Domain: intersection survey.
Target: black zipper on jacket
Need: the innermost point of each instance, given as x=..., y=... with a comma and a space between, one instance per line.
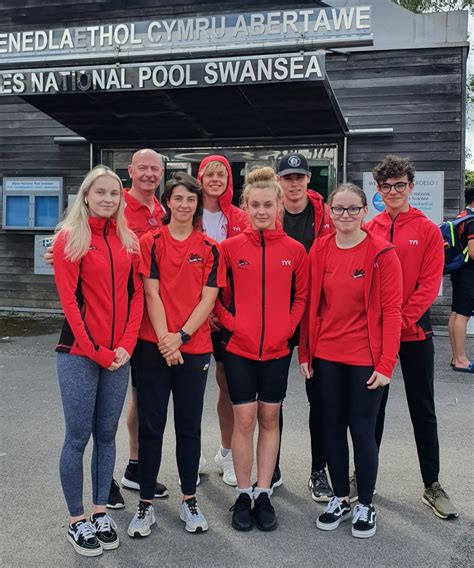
x=392, y=229
x=262, y=336
x=113, y=283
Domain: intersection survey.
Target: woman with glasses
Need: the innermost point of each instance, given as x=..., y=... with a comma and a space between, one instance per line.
x=350, y=340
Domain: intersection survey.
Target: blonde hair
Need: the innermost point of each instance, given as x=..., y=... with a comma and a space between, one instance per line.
x=261, y=178
x=211, y=167
x=76, y=222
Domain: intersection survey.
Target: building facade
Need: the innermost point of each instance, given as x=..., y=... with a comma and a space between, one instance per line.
x=343, y=82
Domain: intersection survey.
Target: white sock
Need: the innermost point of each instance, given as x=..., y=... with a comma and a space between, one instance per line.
x=258, y=490
x=248, y=491
x=225, y=451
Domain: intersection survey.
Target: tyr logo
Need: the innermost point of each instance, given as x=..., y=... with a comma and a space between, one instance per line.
x=412, y=242
x=286, y=262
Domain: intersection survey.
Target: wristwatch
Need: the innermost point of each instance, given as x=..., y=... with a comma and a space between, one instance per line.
x=185, y=337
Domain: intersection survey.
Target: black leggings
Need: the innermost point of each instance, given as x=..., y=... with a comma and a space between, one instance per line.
x=348, y=403
x=155, y=382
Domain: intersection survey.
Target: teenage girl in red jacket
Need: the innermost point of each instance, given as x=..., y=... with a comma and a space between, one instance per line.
x=350, y=335
x=267, y=284
x=96, y=264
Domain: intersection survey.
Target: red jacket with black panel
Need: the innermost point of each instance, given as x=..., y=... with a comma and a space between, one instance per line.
x=101, y=295
x=267, y=284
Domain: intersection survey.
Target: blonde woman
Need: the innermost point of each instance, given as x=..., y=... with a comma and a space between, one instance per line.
x=96, y=271
x=268, y=279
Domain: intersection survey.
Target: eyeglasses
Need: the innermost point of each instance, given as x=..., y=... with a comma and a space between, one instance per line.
x=399, y=187
x=352, y=210
x=152, y=222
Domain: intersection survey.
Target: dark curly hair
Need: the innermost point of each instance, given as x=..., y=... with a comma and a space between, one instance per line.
x=393, y=167
x=192, y=185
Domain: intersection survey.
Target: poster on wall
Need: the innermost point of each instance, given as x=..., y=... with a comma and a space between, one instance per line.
x=427, y=195
x=42, y=242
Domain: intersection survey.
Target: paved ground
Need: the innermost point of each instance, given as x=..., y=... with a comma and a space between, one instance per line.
x=34, y=516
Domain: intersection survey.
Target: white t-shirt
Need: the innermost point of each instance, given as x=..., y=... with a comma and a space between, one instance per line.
x=215, y=225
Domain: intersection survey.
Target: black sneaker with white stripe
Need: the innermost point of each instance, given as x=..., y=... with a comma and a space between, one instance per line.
x=115, y=499
x=336, y=511
x=364, y=521
x=105, y=531
x=83, y=538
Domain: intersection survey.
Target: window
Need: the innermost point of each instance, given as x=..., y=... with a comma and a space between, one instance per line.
x=32, y=203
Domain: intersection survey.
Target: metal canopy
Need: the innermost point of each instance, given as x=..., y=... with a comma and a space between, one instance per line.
x=248, y=112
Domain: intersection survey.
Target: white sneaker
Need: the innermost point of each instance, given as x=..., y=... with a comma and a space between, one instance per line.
x=192, y=515
x=226, y=467
x=142, y=521
x=202, y=463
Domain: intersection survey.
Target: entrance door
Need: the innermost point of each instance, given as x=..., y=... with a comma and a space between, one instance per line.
x=322, y=160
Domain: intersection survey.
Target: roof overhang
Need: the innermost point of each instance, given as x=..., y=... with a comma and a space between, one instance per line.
x=268, y=96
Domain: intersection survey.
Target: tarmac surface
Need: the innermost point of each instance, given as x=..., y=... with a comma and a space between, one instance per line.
x=34, y=516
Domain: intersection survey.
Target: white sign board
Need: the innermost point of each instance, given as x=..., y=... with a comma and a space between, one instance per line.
x=42, y=242
x=33, y=184
x=427, y=195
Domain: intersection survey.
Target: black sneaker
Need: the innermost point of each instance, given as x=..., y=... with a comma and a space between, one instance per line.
x=319, y=486
x=130, y=480
x=105, y=530
x=336, y=511
x=264, y=513
x=276, y=478
x=242, y=517
x=364, y=521
x=115, y=500
x=82, y=537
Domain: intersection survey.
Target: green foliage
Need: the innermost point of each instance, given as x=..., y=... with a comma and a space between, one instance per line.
x=469, y=178
x=434, y=5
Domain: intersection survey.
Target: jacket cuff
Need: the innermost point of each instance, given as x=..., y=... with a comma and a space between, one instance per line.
x=104, y=357
x=385, y=369
x=303, y=355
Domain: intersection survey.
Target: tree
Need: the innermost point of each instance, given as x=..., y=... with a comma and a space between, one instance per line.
x=469, y=178
x=434, y=5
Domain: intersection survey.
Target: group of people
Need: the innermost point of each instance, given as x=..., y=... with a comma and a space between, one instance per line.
x=160, y=286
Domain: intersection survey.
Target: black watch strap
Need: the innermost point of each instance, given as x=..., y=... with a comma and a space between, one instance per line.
x=185, y=337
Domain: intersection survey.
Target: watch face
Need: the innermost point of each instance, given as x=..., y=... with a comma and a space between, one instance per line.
x=185, y=337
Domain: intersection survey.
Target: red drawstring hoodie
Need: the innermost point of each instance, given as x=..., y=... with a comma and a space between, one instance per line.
x=237, y=219
x=419, y=246
x=383, y=300
x=101, y=295
x=268, y=282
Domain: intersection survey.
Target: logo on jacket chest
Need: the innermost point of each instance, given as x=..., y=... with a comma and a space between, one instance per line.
x=243, y=264
x=286, y=262
x=413, y=241
x=194, y=257
x=358, y=273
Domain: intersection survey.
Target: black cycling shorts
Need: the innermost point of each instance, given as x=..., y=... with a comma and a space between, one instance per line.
x=250, y=380
x=463, y=291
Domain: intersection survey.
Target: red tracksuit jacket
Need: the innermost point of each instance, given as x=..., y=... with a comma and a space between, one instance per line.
x=383, y=300
x=101, y=295
x=237, y=220
x=268, y=282
x=323, y=224
x=419, y=246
